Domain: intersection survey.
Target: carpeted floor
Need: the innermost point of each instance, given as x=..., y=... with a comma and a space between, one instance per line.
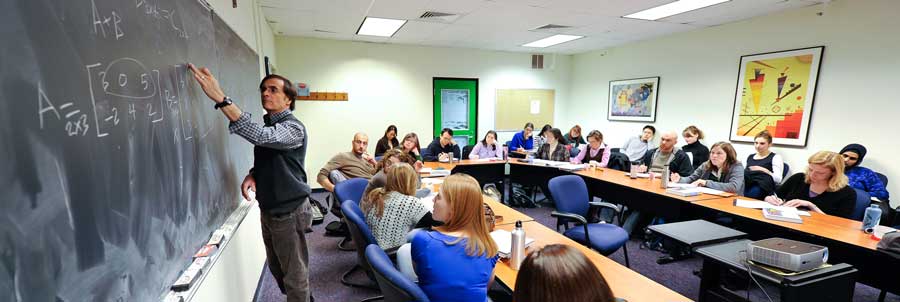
x=327, y=264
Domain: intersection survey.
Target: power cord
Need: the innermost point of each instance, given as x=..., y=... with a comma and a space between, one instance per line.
x=750, y=274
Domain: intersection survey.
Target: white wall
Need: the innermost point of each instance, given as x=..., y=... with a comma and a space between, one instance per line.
x=854, y=101
x=235, y=275
x=392, y=84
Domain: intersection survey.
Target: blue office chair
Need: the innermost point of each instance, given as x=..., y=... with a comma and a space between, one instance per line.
x=784, y=174
x=863, y=200
x=363, y=237
x=351, y=189
x=572, y=205
x=394, y=285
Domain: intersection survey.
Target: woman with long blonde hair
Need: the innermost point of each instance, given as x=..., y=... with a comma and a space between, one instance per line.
x=455, y=261
x=823, y=188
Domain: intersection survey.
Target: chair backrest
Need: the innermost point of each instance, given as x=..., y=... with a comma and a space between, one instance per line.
x=570, y=194
x=787, y=169
x=862, y=202
x=393, y=284
x=619, y=161
x=351, y=189
x=360, y=232
x=883, y=178
x=466, y=150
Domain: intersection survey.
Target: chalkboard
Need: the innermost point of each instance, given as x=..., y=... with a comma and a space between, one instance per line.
x=115, y=167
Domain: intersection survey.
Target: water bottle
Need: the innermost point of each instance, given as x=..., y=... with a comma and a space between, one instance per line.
x=664, y=178
x=517, y=248
x=872, y=217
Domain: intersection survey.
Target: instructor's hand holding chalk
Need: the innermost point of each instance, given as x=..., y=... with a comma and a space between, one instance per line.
x=248, y=184
x=208, y=82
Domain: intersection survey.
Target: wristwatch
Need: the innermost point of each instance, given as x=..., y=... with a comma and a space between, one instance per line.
x=225, y=102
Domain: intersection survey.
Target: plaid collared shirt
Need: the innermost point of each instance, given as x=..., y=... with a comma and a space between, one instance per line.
x=278, y=132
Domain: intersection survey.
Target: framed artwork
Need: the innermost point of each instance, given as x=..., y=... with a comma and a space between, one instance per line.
x=633, y=100
x=775, y=92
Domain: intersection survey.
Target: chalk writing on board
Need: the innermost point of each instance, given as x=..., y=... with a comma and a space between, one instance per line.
x=106, y=23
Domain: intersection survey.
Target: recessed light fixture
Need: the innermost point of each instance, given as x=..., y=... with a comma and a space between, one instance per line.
x=552, y=40
x=380, y=27
x=671, y=9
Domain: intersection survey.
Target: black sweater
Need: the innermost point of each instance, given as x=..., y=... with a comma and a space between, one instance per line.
x=837, y=203
x=699, y=151
x=382, y=145
x=435, y=149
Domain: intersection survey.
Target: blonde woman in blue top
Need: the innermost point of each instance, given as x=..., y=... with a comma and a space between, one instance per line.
x=455, y=261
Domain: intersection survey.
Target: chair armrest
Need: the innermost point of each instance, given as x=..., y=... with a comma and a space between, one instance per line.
x=575, y=217
x=606, y=205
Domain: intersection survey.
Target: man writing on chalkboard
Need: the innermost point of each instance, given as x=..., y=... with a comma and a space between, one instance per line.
x=278, y=176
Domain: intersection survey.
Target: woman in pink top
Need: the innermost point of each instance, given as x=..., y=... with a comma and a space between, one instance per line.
x=487, y=148
x=595, y=150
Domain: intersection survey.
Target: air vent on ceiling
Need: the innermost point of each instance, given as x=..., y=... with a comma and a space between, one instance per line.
x=551, y=27
x=324, y=31
x=438, y=17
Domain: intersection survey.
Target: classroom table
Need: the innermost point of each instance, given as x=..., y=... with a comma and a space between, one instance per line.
x=624, y=282
x=846, y=242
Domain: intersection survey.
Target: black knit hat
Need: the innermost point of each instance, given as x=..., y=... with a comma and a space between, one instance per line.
x=858, y=149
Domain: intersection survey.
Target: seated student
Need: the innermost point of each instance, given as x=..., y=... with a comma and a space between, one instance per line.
x=393, y=211
x=390, y=158
x=442, y=148
x=574, y=137
x=861, y=177
x=560, y=273
x=411, y=145
x=721, y=172
x=487, y=148
x=541, y=138
x=655, y=161
x=353, y=164
x=595, y=150
x=388, y=141
x=698, y=153
x=764, y=169
x=553, y=149
x=636, y=146
x=455, y=261
x=823, y=188
x=522, y=141
x=666, y=155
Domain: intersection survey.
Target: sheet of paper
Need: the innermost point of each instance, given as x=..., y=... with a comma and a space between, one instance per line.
x=535, y=107
x=428, y=201
x=425, y=170
x=503, y=239
x=751, y=204
x=679, y=185
x=714, y=192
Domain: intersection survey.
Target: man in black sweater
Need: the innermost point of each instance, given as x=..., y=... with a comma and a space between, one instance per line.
x=278, y=176
x=442, y=148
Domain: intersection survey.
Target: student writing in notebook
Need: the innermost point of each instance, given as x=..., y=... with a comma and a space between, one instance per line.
x=721, y=172
x=822, y=188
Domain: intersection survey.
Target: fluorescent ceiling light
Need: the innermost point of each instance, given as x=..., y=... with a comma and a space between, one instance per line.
x=552, y=40
x=673, y=8
x=379, y=27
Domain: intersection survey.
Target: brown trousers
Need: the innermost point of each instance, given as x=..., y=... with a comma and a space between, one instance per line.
x=287, y=251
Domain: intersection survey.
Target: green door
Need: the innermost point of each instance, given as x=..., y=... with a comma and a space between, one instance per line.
x=456, y=107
